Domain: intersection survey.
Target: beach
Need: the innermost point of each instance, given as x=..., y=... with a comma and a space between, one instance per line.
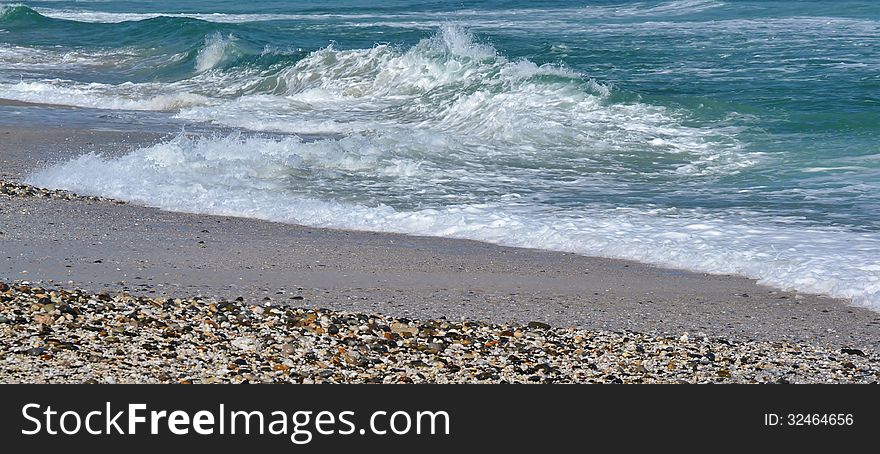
x=658, y=191
x=58, y=241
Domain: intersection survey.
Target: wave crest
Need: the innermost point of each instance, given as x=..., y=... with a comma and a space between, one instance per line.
x=17, y=12
x=218, y=49
x=453, y=84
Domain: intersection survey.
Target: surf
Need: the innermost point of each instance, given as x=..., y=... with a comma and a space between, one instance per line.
x=279, y=180
x=676, y=133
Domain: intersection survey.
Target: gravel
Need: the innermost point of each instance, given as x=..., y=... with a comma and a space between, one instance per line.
x=72, y=336
x=24, y=190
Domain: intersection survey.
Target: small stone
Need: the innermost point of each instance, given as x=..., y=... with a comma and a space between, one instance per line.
x=98, y=335
x=434, y=347
x=44, y=319
x=403, y=329
x=248, y=344
x=352, y=356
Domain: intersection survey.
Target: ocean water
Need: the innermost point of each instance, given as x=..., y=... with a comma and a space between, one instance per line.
x=717, y=136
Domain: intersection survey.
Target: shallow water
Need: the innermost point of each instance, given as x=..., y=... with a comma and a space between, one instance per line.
x=728, y=137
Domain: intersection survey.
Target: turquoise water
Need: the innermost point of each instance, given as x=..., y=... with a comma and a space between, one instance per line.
x=720, y=136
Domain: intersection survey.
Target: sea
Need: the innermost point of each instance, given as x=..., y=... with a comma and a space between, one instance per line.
x=729, y=137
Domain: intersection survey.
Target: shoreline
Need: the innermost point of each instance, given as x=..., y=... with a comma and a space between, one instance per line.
x=508, y=285
x=100, y=245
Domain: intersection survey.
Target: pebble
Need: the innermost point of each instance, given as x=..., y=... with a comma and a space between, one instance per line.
x=11, y=189
x=245, y=343
x=401, y=328
x=35, y=351
x=79, y=337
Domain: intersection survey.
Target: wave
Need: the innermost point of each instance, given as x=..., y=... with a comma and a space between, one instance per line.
x=453, y=84
x=217, y=50
x=274, y=179
x=643, y=9
x=449, y=83
x=21, y=57
x=446, y=137
x=102, y=96
x=18, y=14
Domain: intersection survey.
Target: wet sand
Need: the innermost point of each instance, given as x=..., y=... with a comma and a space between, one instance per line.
x=98, y=246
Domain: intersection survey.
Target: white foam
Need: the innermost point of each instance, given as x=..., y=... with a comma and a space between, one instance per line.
x=108, y=17
x=215, y=51
x=5, y=8
x=671, y=8
x=453, y=84
x=274, y=179
x=35, y=58
x=103, y=96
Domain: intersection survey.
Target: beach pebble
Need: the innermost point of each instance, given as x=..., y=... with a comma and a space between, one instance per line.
x=400, y=328
x=246, y=343
x=91, y=338
x=287, y=349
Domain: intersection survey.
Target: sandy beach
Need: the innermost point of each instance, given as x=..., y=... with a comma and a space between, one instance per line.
x=61, y=242
x=109, y=246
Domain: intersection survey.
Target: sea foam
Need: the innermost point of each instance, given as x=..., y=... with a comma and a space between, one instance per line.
x=218, y=48
x=272, y=179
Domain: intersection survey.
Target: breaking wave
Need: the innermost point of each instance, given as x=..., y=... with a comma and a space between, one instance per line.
x=274, y=179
